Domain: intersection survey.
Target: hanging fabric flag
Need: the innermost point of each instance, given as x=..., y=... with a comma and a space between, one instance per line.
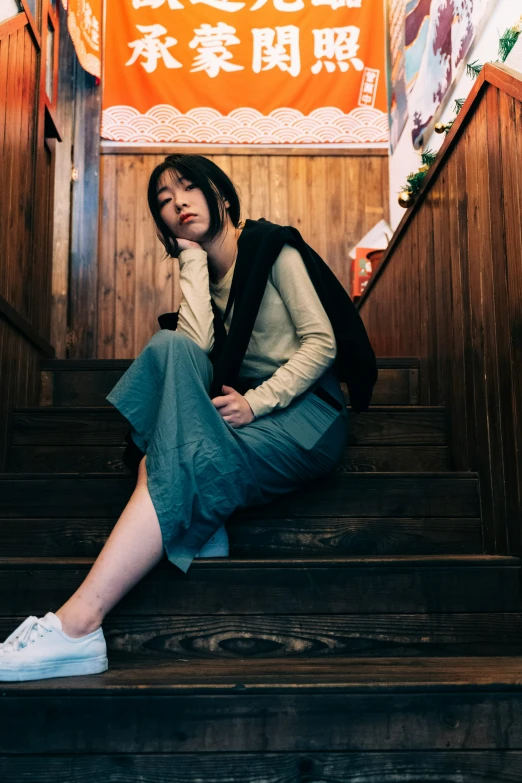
x=245, y=71
x=84, y=21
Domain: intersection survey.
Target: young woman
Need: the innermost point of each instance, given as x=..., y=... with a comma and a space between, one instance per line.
x=205, y=456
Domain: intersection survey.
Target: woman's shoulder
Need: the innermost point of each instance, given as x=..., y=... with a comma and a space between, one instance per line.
x=289, y=256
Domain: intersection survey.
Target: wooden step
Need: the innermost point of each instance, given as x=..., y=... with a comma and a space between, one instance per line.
x=311, y=635
x=91, y=439
x=277, y=706
x=96, y=459
x=341, y=494
x=285, y=586
x=96, y=426
x=393, y=766
x=88, y=381
x=286, y=536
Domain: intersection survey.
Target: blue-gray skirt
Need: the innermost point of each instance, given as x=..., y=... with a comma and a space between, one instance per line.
x=200, y=468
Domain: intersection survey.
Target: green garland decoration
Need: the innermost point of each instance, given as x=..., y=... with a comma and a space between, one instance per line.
x=416, y=178
x=505, y=45
x=428, y=157
x=459, y=103
x=473, y=69
x=415, y=181
x=507, y=42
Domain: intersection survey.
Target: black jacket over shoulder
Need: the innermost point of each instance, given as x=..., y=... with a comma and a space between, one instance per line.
x=259, y=245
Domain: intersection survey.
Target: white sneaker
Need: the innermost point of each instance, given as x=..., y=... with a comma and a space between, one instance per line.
x=217, y=545
x=39, y=648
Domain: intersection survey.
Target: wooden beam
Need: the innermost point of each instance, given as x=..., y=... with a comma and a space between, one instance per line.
x=109, y=148
x=15, y=319
x=84, y=219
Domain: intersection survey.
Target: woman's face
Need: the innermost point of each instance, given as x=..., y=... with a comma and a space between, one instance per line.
x=177, y=199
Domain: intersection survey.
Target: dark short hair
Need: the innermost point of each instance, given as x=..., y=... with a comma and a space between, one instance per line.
x=216, y=186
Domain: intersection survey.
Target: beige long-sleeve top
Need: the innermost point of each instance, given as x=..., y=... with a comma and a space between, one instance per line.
x=292, y=339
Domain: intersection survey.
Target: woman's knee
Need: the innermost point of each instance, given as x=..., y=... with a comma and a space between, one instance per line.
x=167, y=336
x=165, y=341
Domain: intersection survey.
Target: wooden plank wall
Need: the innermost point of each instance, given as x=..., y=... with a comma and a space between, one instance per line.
x=331, y=199
x=450, y=292
x=18, y=108
x=22, y=297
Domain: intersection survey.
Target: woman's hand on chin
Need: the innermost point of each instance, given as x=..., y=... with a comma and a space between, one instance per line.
x=184, y=244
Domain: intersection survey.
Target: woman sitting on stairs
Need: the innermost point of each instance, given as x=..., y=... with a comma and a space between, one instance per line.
x=225, y=412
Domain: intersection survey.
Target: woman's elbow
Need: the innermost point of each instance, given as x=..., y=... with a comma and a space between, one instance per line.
x=208, y=343
x=202, y=340
x=331, y=347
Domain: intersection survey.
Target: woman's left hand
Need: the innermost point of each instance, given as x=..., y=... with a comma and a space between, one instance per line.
x=233, y=407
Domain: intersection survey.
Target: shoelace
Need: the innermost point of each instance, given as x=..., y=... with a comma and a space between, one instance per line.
x=27, y=634
x=27, y=621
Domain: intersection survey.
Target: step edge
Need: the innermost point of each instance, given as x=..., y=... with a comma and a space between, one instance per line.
x=436, y=561
x=454, y=474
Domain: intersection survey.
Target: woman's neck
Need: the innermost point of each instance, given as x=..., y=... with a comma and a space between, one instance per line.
x=222, y=252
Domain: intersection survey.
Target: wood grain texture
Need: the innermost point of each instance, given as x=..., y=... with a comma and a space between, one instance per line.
x=332, y=201
x=380, y=426
x=243, y=150
x=441, y=766
x=108, y=458
x=18, y=126
x=417, y=584
x=278, y=705
x=296, y=534
x=26, y=167
x=85, y=218
x=86, y=382
x=20, y=379
x=305, y=636
x=66, y=97
x=347, y=494
x=459, y=251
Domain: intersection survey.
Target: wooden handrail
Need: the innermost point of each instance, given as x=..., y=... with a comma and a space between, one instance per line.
x=505, y=79
x=13, y=24
x=15, y=319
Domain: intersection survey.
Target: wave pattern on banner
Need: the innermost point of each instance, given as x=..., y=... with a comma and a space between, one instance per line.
x=164, y=123
x=90, y=62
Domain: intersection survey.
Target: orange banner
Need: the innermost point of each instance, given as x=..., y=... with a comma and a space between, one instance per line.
x=245, y=71
x=84, y=21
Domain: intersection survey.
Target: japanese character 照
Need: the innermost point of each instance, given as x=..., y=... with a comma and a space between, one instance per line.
x=338, y=46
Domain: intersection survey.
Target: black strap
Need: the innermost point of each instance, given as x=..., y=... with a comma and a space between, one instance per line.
x=230, y=296
x=327, y=397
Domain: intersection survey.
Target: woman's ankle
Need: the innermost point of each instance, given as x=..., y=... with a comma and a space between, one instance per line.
x=77, y=626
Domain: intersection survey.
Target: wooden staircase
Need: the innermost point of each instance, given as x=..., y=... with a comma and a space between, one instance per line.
x=358, y=630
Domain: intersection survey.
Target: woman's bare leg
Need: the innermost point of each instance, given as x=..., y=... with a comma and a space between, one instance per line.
x=133, y=548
